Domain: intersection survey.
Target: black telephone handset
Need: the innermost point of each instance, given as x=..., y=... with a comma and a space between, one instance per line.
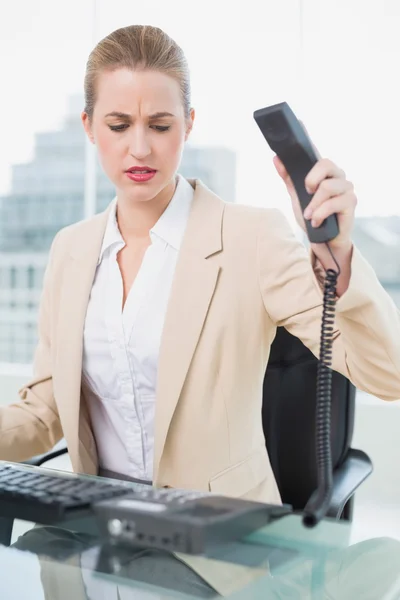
x=288, y=139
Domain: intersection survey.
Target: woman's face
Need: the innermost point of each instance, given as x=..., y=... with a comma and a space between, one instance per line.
x=138, y=121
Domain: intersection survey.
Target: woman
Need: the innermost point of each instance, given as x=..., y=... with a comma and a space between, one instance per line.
x=157, y=315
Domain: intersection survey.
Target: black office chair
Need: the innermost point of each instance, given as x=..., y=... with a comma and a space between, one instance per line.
x=288, y=413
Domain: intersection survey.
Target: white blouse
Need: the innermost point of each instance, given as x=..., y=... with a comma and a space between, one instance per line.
x=121, y=348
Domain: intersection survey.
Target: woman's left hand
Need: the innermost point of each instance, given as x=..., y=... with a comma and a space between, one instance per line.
x=332, y=193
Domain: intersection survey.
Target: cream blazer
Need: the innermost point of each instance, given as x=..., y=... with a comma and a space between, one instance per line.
x=240, y=274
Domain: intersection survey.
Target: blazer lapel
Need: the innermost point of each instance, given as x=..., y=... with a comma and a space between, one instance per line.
x=77, y=281
x=191, y=293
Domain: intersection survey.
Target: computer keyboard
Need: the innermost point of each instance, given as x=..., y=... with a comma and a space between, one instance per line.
x=45, y=496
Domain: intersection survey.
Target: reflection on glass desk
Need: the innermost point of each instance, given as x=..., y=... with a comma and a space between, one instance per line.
x=281, y=561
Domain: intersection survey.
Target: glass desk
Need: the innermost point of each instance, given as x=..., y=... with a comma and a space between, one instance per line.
x=281, y=561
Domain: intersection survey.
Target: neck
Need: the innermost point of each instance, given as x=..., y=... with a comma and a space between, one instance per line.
x=135, y=219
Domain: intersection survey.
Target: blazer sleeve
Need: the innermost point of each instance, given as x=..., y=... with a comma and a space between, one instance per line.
x=366, y=346
x=32, y=426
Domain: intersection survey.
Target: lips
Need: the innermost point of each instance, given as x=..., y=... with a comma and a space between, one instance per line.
x=141, y=170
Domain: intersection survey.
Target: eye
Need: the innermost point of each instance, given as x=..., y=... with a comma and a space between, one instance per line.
x=160, y=128
x=118, y=127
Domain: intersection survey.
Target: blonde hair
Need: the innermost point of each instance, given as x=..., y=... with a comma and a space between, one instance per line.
x=139, y=47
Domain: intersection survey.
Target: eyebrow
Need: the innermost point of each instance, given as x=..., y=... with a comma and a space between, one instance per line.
x=126, y=117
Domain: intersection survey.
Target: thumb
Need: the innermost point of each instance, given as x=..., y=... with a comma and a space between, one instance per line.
x=281, y=169
x=279, y=166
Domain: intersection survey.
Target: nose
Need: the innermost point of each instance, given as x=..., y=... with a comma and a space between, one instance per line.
x=139, y=146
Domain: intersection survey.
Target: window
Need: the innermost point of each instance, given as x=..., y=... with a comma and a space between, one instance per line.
x=31, y=277
x=13, y=277
x=44, y=46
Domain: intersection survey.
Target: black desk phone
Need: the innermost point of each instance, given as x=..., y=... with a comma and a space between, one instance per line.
x=288, y=139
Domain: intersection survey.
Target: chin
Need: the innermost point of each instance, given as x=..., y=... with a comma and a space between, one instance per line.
x=140, y=192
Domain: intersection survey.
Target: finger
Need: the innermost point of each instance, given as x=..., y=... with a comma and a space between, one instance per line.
x=323, y=169
x=328, y=188
x=340, y=205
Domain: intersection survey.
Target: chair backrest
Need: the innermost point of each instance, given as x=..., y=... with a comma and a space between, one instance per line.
x=289, y=417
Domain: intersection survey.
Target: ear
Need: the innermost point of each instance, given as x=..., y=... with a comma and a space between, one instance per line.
x=190, y=122
x=87, y=126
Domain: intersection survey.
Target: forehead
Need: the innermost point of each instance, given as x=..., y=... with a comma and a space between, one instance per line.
x=128, y=91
